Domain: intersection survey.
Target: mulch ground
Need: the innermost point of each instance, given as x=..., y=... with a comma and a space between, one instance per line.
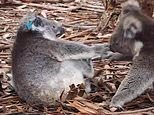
x=82, y=23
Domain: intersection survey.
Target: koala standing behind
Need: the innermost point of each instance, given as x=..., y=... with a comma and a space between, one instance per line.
x=44, y=66
x=134, y=35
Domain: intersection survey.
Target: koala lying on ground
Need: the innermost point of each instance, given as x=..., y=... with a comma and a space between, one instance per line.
x=134, y=36
x=43, y=66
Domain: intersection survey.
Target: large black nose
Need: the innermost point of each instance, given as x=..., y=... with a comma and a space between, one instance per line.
x=115, y=46
x=111, y=48
x=60, y=31
x=112, y=44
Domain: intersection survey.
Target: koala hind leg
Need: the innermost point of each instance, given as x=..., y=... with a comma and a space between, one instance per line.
x=139, y=78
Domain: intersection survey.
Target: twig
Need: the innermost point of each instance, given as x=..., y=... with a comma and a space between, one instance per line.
x=150, y=98
x=5, y=47
x=93, y=6
x=92, y=9
x=79, y=34
x=106, y=23
x=8, y=98
x=130, y=112
x=24, y=113
x=53, y=1
x=5, y=29
x=48, y=7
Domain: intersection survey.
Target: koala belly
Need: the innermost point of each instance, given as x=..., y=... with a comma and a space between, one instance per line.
x=85, y=66
x=71, y=72
x=48, y=83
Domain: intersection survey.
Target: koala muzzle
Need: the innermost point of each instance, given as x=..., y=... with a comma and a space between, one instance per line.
x=60, y=31
x=113, y=47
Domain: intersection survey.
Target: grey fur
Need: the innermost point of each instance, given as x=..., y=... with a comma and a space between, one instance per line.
x=140, y=45
x=43, y=67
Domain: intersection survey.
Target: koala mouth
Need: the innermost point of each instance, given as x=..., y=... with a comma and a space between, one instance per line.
x=60, y=31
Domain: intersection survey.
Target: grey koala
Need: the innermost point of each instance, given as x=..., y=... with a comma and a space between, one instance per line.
x=134, y=36
x=44, y=66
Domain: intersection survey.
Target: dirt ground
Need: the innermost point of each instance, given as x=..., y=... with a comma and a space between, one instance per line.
x=81, y=20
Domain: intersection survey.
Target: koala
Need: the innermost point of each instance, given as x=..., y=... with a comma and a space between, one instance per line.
x=44, y=66
x=133, y=36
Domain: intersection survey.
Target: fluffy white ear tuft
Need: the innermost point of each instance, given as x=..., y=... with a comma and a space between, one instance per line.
x=131, y=3
x=130, y=6
x=138, y=45
x=131, y=27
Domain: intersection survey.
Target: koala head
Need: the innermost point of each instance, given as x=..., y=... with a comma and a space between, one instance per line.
x=132, y=31
x=34, y=23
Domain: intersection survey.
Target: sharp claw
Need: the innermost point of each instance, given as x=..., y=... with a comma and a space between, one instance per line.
x=116, y=107
x=107, y=55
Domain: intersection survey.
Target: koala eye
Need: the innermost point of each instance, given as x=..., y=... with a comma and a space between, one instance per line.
x=38, y=22
x=54, y=27
x=116, y=43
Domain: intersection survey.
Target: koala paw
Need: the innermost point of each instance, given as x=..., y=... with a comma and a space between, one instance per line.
x=102, y=50
x=107, y=55
x=116, y=102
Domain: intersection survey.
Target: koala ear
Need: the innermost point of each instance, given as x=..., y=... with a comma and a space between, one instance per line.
x=29, y=25
x=129, y=6
x=131, y=26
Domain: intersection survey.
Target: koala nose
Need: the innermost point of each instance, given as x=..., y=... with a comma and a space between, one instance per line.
x=114, y=46
x=111, y=48
x=61, y=31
